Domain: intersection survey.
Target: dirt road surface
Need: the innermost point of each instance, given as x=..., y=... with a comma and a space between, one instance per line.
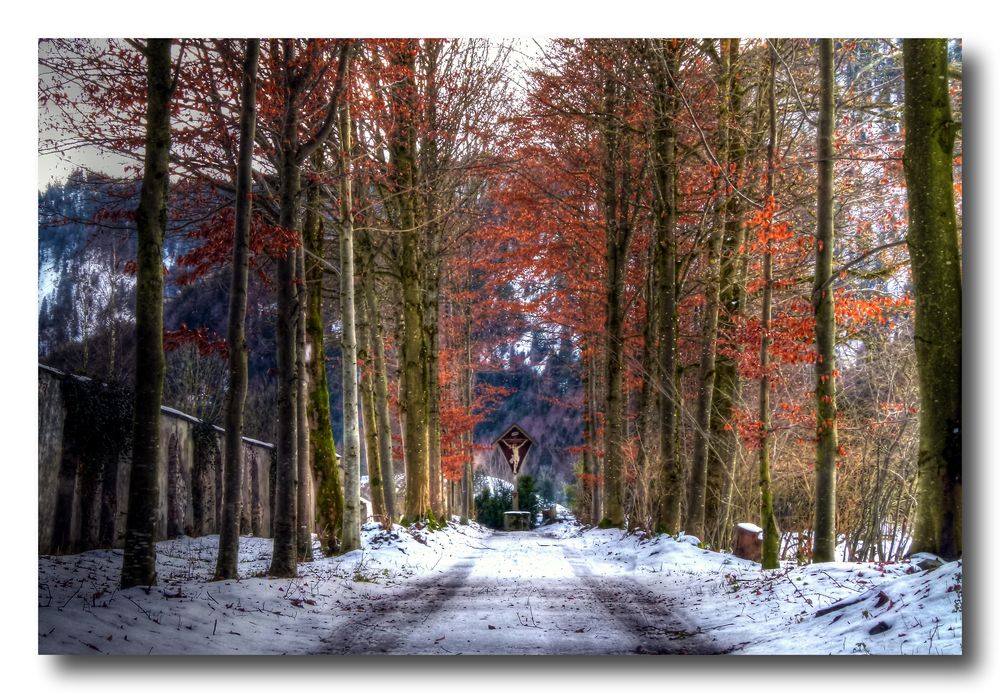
x=520, y=593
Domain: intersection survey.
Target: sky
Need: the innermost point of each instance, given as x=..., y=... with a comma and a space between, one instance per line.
x=54, y=167
x=23, y=27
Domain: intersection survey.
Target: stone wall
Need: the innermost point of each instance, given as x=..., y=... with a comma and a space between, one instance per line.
x=84, y=456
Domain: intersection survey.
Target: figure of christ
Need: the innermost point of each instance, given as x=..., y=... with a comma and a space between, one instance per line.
x=515, y=454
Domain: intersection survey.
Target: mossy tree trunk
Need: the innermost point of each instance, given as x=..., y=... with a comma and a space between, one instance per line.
x=664, y=61
x=937, y=287
x=229, y=532
x=618, y=233
x=728, y=387
x=139, y=562
x=825, y=526
x=327, y=498
x=431, y=174
x=413, y=346
x=432, y=293
x=329, y=495
x=294, y=71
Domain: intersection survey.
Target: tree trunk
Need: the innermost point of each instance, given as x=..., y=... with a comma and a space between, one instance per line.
x=614, y=410
x=825, y=527
x=139, y=562
x=710, y=327
x=617, y=235
x=431, y=174
x=381, y=382
x=365, y=356
x=769, y=554
x=664, y=61
x=414, y=354
x=329, y=496
x=937, y=287
x=305, y=506
x=468, y=393
x=648, y=424
x=229, y=532
x=432, y=261
x=283, y=558
x=414, y=345
x=592, y=463
x=728, y=388
x=351, y=532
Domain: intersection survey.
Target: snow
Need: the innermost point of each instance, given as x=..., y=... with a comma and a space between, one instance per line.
x=522, y=593
x=775, y=611
x=82, y=611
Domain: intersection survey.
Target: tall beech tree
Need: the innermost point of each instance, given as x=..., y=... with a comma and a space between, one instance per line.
x=663, y=63
x=825, y=526
x=365, y=350
x=728, y=391
x=377, y=432
x=328, y=493
x=769, y=554
x=284, y=556
x=695, y=523
x=403, y=180
x=351, y=528
x=304, y=502
x=618, y=234
x=429, y=161
x=294, y=70
x=620, y=182
x=380, y=384
x=229, y=533
x=139, y=561
x=935, y=259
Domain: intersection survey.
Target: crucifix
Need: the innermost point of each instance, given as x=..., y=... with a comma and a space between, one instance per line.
x=514, y=444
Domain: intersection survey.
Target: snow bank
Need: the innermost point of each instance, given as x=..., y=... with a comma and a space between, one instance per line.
x=81, y=610
x=918, y=612
x=830, y=608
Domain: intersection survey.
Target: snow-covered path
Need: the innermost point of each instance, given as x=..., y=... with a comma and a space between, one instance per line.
x=462, y=589
x=520, y=593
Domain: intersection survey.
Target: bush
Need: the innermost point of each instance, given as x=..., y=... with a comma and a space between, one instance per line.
x=491, y=506
x=528, y=499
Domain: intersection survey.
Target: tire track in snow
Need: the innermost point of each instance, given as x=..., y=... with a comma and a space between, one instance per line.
x=383, y=628
x=651, y=621
x=577, y=611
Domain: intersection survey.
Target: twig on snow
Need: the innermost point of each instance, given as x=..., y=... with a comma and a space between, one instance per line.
x=139, y=607
x=72, y=596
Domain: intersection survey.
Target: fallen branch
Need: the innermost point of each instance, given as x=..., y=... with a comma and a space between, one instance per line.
x=139, y=607
x=806, y=599
x=71, y=596
x=840, y=605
